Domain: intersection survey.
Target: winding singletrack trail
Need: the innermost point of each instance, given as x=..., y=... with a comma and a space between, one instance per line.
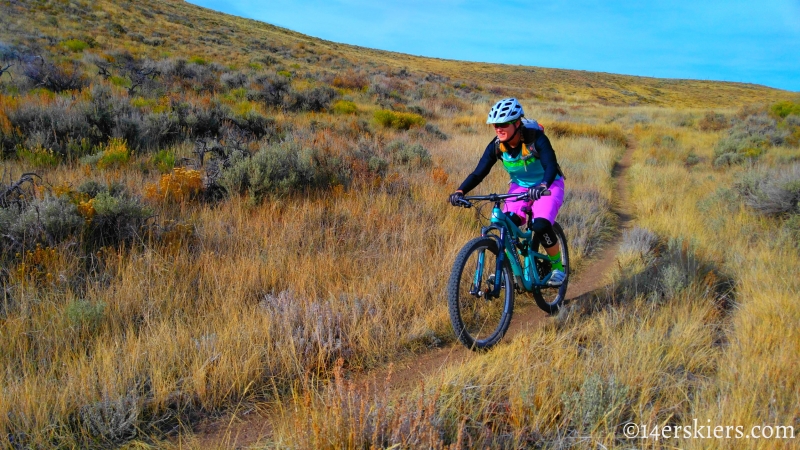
x=248, y=428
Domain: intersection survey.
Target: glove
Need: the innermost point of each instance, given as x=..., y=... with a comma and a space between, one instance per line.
x=455, y=198
x=536, y=192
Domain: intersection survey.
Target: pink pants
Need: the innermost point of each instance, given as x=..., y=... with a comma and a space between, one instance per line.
x=546, y=207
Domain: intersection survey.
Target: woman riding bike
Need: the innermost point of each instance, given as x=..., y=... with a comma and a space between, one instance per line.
x=531, y=163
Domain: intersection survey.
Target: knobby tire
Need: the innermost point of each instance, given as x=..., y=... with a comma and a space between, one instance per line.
x=478, y=321
x=550, y=300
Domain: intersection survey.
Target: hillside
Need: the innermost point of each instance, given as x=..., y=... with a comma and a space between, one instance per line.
x=207, y=217
x=159, y=29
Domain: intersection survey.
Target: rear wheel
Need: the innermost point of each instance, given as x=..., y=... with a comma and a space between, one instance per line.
x=550, y=299
x=479, y=316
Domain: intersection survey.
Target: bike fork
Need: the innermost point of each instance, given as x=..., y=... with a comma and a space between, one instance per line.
x=497, y=277
x=477, y=281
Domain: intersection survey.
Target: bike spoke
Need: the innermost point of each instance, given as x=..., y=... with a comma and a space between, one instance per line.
x=480, y=313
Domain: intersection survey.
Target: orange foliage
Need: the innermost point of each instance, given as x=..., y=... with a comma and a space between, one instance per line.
x=439, y=175
x=86, y=209
x=180, y=185
x=6, y=104
x=350, y=80
x=63, y=189
x=174, y=235
x=38, y=265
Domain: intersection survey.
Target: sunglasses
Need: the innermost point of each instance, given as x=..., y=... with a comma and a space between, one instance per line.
x=503, y=125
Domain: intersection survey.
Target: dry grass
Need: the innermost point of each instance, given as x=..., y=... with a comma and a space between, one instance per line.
x=700, y=350
x=214, y=316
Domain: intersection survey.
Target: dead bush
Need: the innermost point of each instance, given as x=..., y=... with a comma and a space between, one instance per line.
x=55, y=77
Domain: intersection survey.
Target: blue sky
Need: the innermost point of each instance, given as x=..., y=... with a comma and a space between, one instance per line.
x=753, y=42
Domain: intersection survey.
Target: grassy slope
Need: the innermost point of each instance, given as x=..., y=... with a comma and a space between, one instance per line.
x=192, y=30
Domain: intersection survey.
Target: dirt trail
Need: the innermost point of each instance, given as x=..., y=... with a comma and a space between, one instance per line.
x=249, y=428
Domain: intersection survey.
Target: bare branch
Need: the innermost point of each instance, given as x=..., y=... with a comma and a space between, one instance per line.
x=5, y=69
x=14, y=194
x=102, y=69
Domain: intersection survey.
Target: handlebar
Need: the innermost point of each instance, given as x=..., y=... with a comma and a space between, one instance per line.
x=496, y=198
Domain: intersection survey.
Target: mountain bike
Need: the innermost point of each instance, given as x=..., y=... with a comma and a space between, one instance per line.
x=492, y=267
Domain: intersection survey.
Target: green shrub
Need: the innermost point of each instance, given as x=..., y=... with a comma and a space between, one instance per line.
x=279, y=170
x=64, y=126
x=237, y=94
x=207, y=121
x=85, y=315
x=345, y=107
x=435, y=131
x=398, y=120
x=118, y=218
x=233, y=80
x=75, y=45
x=91, y=188
x=774, y=192
x=377, y=165
x=271, y=89
x=38, y=157
x=414, y=155
x=692, y=159
x=748, y=139
x=115, y=155
x=155, y=130
x=785, y=108
x=140, y=102
x=316, y=99
x=387, y=90
x=598, y=405
x=164, y=161
x=119, y=81
x=199, y=60
x=47, y=221
x=91, y=160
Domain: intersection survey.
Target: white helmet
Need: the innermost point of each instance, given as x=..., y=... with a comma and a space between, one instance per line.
x=505, y=110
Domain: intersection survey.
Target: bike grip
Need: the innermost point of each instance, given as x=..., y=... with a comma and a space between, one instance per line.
x=525, y=195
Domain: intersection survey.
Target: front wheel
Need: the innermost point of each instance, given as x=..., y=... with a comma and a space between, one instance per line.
x=550, y=299
x=479, y=313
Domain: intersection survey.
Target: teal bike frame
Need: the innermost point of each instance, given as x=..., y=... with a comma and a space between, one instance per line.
x=515, y=242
